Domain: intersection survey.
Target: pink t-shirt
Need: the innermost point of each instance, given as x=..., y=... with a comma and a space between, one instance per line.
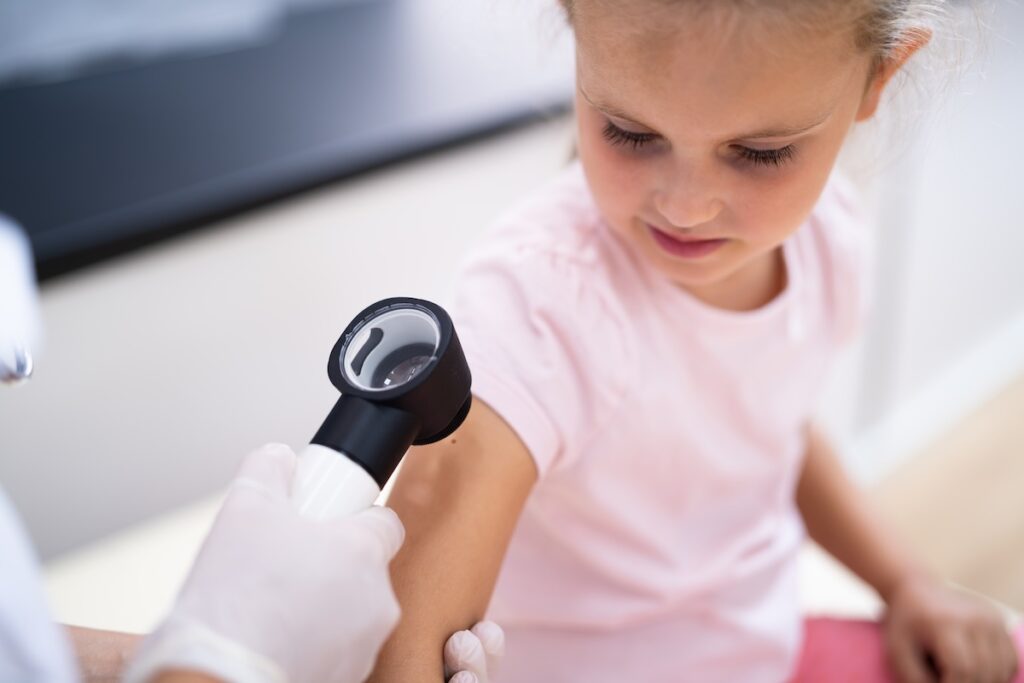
x=659, y=543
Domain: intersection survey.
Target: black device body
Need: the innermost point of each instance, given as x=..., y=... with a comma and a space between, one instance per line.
x=376, y=426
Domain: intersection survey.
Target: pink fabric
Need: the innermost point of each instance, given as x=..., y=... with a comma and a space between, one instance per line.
x=851, y=651
x=662, y=535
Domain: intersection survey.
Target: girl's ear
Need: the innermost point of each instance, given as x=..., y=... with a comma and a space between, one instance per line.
x=912, y=41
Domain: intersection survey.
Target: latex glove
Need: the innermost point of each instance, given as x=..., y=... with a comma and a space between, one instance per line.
x=274, y=596
x=473, y=656
x=937, y=634
x=19, y=309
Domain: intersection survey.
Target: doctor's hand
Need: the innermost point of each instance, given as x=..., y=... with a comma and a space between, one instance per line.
x=473, y=656
x=274, y=596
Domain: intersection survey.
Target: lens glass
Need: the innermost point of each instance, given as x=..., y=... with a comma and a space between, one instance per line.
x=401, y=365
x=404, y=372
x=392, y=348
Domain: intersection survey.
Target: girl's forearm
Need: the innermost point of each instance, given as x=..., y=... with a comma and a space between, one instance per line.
x=460, y=500
x=838, y=517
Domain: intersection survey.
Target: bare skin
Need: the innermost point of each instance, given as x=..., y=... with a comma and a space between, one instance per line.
x=467, y=489
x=185, y=677
x=102, y=655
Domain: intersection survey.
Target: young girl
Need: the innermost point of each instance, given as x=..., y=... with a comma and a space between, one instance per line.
x=648, y=338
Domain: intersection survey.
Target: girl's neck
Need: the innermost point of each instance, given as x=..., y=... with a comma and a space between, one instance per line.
x=751, y=287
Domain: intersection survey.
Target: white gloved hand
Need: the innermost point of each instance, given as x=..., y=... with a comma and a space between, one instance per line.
x=274, y=596
x=473, y=656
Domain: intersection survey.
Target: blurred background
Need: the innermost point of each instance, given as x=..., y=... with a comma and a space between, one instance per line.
x=213, y=189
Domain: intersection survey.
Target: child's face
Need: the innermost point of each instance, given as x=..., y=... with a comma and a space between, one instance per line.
x=715, y=130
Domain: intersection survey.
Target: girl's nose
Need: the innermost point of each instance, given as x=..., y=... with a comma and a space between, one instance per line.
x=687, y=203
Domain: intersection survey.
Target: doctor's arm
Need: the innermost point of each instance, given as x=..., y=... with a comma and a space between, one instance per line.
x=460, y=500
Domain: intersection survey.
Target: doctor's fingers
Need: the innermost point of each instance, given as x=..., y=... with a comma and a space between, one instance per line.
x=464, y=656
x=492, y=638
x=268, y=470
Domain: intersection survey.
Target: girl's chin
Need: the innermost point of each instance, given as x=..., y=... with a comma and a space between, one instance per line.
x=703, y=273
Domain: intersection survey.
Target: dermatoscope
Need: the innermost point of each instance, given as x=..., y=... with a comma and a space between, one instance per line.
x=404, y=381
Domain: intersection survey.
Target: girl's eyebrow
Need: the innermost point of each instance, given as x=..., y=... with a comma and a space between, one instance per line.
x=785, y=131
x=610, y=110
x=771, y=132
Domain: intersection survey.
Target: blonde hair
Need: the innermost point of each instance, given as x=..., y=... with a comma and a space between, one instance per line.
x=881, y=27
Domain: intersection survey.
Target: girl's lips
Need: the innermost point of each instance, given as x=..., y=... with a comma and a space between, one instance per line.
x=685, y=248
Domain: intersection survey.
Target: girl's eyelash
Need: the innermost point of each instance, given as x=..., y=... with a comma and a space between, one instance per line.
x=617, y=136
x=768, y=158
x=771, y=158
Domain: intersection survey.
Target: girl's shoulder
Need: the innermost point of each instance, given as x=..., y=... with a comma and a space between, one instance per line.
x=560, y=223
x=538, y=316
x=553, y=252
x=839, y=241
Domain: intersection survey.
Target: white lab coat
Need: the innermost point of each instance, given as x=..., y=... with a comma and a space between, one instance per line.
x=33, y=649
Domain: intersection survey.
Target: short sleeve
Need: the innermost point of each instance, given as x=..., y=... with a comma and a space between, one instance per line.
x=847, y=258
x=541, y=341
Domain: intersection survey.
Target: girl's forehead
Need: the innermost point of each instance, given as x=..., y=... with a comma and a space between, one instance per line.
x=723, y=26
x=717, y=67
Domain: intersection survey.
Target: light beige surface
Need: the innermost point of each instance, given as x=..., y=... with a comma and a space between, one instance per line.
x=128, y=581
x=960, y=503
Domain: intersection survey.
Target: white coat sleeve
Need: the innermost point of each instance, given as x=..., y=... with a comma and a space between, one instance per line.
x=32, y=647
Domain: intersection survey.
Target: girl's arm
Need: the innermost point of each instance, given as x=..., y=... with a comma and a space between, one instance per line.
x=931, y=631
x=459, y=500
x=839, y=519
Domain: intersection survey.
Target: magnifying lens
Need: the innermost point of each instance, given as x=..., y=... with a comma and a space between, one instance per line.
x=404, y=381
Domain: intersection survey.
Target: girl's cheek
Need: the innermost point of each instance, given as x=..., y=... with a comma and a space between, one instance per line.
x=617, y=167
x=617, y=181
x=612, y=165
x=606, y=167
x=773, y=208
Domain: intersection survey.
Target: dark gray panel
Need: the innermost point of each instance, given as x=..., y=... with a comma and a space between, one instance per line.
x=106, y=162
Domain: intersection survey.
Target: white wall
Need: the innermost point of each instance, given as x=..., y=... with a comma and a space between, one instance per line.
x=948, y=321
x=164, y=368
